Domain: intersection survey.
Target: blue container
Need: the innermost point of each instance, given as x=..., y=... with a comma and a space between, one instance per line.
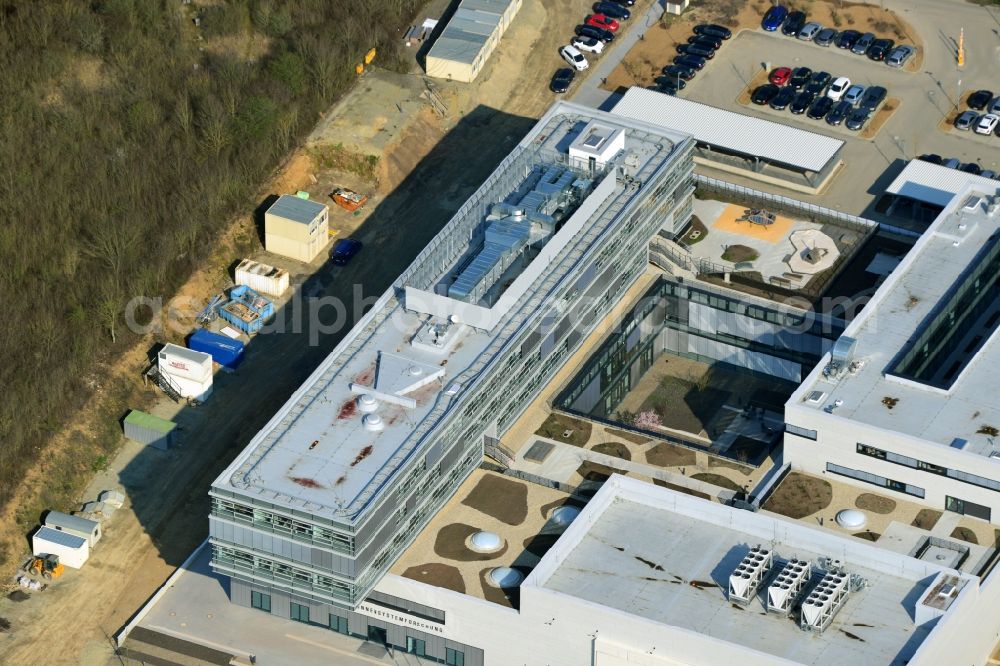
x=224, y=351
x=246, y=309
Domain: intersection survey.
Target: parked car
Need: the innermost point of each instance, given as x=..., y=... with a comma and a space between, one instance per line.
x=872, y=97
x=801, y=102
x=951, y=163
x=774, y=17
x=696, y=50
x=597, y=33
x=838, y=113
x=573, y=56
x=561, y=80
x=800, y=77
x=588, y=44
x=602, y=21
x=989, y=173
x=979, y=99
x=971, y=167
x=793, y=23
x=966, y=120
x=987, y=124
x=784, y=97
x=809, y=31
x=899, y=55
x=847, y=39
x=825, y=37
x=931, y=157
x=879, y=49
x=819, y=108
x=863, y=44
x=764, y=94
x=780, y=76
x=838, y=88
x=612, y=9
x=818, y=82
x=669, y=84
x=626, y=3
x=854, y=93
x=856, y=119
x=679, y=71
x=689, y=61
x=344, y=250
x=994, y=107
x=714, y=30
x=706, y=41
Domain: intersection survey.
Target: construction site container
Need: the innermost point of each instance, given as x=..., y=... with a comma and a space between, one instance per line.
x=72, y=550
x=246, y=310
x=472, y=34
x=75, y=525
x=184, y=363
x=262, y=278
x=296, y=228
x=149, y=430
x=223, y=350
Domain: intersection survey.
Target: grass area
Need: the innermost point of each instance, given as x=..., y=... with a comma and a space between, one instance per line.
x=717, y=480
x=500, y=497
x=964, y=534
x=670, y=455
x=635, y=438
x=799, y=496
x=695, y=233
x=596, y=472
x=926, y=519
x=685, y=405
x=566, y=429
x=714, y=461
x=875, y=503
x=616, y=449
x=738, y=253
x=438, y=575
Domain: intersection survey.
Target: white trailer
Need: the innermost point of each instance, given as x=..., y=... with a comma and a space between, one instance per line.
x=72, y=550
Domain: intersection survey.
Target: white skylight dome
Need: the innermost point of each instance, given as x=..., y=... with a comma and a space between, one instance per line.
x=506, y=577
x=485, y=542
x=851, y=519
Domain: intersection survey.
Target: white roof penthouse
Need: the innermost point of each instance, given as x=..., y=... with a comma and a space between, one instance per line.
x=335, y=445
x=922, y=358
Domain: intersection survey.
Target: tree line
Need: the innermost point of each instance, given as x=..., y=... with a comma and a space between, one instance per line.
x=132, y=133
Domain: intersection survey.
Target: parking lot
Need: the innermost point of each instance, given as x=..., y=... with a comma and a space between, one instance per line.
x=925, y=101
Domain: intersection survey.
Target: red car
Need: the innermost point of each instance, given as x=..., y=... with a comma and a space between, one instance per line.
x=780, y=76
x=602, y=21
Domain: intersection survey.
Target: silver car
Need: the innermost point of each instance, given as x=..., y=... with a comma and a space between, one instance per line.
x=966, y=120
x=808, y=31
x=899, y=55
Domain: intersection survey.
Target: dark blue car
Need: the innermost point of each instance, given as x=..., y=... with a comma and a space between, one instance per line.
x=343, y=250
x=774, y=17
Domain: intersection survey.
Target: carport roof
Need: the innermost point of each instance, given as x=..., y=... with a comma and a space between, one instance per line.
x=731, y=131
x=935, y=184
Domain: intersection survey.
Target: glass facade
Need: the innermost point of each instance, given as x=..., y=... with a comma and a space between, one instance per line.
x=913, y=463
x=876, y=480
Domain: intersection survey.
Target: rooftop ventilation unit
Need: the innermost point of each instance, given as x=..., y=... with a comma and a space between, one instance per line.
x=825, y=601
x=786, y=588
x=841, y=358
x=748, y=575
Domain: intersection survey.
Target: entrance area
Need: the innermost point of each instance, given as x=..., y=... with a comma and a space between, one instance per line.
x=378, y=635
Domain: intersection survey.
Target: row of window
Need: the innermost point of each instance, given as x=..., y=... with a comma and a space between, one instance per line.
x=279, y=524
x=300, y=613
x=876, y=480
x=913, y=463
x=266, y=568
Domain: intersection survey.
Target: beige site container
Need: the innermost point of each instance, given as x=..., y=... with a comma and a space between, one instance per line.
x=296, y=228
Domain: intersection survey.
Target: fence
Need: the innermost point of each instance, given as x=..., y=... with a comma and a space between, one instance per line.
x=777, y=202
x=496, y=450
x=567, y=488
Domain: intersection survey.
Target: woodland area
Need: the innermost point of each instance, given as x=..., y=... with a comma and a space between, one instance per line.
x=131, y=136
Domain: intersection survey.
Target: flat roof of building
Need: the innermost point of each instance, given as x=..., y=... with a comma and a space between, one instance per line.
x=296, y=209
x=935, y=184
x=666, y=557
x=904, y=307
x=321, y=453
x=731, y=131
x=468, y=30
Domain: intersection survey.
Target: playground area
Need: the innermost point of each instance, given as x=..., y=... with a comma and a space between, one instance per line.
x=782, y=250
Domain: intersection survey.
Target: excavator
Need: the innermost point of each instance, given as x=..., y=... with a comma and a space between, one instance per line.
x=46, y=566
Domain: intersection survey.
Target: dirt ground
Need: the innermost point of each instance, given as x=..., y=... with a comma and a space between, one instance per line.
x=646, y=60
x=800, y=495
x=165, y=517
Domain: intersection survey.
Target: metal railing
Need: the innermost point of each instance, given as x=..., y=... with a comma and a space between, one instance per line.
x=783, y=203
